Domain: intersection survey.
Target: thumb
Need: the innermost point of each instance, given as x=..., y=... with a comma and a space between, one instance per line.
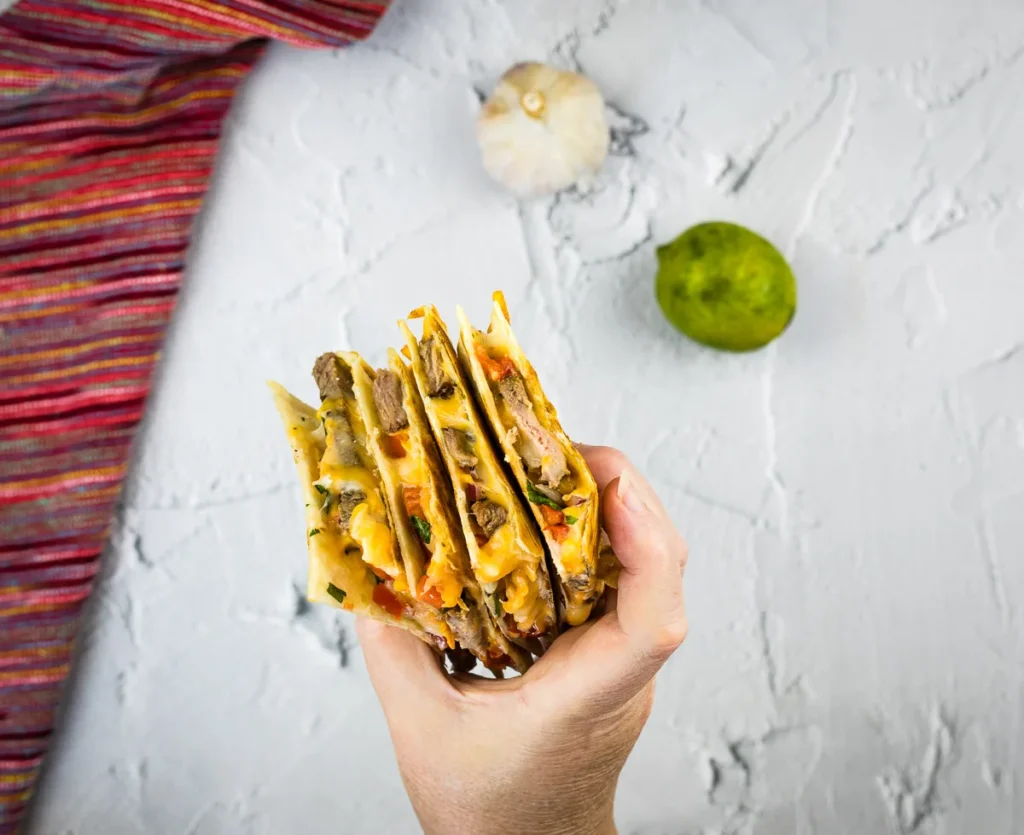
x=402, y=668
x=650, y=607
x=608, y=662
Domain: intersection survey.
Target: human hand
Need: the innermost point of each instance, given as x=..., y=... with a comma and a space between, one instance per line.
x=541, y=753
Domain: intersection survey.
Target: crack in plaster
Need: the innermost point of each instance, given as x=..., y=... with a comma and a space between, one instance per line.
x=910, y=795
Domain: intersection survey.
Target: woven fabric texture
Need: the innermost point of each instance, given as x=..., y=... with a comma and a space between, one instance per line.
x=110, y=113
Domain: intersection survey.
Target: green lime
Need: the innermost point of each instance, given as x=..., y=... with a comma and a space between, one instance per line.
x=726, y=287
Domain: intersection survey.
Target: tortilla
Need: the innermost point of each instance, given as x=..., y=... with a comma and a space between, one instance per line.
x=338, y=575
x=550, y=471
x=422, y=509
x=505, y=550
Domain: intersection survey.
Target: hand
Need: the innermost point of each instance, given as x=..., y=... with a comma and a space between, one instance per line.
x=542, y=753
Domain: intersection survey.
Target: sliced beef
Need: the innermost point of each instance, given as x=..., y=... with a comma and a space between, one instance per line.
x=537, y=445
x=460, y=447
x=347, y=502
x=332, y=376
x=489, y=516
x=468, y=630
x=439, y=384
x=387, y=396
x=340, y=438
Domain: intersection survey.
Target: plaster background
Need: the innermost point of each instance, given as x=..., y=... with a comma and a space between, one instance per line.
x=853, y=495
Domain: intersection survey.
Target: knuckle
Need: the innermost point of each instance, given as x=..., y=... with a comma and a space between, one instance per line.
x=670, y=636
x=613, y=456
x=683, y=553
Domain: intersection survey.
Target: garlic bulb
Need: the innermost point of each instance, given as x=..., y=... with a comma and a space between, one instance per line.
x=542, y=130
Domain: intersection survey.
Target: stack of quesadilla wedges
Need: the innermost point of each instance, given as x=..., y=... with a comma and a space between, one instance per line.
x=442, y=495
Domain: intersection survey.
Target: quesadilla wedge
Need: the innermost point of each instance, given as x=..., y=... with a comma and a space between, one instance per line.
x=422, y=506
x=505, y=551
x=551, y=472
x=349, y=560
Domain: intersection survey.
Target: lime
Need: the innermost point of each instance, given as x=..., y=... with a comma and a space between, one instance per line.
x=726, y=287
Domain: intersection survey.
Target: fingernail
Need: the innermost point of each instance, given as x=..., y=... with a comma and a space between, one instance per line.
x=633, y=493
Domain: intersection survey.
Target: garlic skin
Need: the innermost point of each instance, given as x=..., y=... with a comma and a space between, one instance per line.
x=542, y=130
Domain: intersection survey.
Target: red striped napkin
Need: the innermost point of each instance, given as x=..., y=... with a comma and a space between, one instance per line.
x=110, y=114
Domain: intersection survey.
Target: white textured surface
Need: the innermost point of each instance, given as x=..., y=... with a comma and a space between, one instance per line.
x=853, y=495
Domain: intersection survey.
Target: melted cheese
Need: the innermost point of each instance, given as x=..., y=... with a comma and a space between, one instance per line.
x=413, y=471
x=443, y=577
x=500, y=555
x=522, y=595
x=577, y=612
x=569, y=552
x=368, y=527
x=374, y=536
x=340, y=479
x=452, y=411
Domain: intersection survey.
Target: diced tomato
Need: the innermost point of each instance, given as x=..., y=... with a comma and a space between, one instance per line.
x=380, y=573
x=393, y=446
x=431, y=595
x=497, y=660
x=385, y=598
x=559, y=532
x=481, y=540
x=551, y=516
x=413, y=503
x=472, y=493
x=495, y=369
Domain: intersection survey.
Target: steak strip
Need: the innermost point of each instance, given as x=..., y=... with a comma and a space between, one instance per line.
x=347, y=502
x=387, y=396
x=439, y=384
x=468, y=630
x=489, y=516
x=460, y=447
x=538, y=446
x=340, y=438
x=333, y=378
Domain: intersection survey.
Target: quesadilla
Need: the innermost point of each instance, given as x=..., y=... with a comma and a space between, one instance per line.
x=358, y=560
x=422, y=506
x=551, y=472
x=344, y=559
x=505, y=550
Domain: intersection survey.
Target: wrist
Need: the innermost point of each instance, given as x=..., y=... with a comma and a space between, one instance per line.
x=598, y=820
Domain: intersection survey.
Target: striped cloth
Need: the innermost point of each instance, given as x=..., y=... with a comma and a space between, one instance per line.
x=110, y=114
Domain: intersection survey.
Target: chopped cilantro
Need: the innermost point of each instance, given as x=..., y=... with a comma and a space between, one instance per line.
x=570, y=520
x=540, y=498
x=320, y=489
x=422, y=528
x=497, y=606
x=314, y=531
x=336, y=593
